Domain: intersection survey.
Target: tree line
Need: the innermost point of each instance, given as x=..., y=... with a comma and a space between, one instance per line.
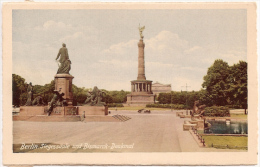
x=19, y=88
x=223, y=85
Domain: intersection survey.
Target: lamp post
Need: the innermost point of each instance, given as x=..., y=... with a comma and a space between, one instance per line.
x=171, y=100
x=186, y=98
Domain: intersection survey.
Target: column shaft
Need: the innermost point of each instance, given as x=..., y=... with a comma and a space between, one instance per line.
x=141, y=67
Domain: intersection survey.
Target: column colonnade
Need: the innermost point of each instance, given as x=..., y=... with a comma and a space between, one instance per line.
x=141, y=87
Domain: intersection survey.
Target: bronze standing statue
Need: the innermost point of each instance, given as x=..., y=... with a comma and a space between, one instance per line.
x=64, y=61
x=29, y=95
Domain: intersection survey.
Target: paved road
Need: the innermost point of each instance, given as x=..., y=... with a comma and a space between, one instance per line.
x=160, y=131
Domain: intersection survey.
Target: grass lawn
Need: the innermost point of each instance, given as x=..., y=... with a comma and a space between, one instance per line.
x=222, y=141
x=200, y=131
x=136, y=108
x=243, y=116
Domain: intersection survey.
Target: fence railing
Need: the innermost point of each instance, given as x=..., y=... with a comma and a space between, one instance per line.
x=199, y=136
x=201, y=139
x=228, y=146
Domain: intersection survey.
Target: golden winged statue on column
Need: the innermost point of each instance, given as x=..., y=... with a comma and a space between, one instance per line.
x=141, y=29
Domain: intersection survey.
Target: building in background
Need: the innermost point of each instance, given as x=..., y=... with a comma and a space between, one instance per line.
x=161, y=88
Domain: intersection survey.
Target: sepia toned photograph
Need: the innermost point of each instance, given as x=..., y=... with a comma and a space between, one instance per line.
x=125, y=78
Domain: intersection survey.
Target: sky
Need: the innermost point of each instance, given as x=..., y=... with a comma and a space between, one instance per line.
x=180, y=45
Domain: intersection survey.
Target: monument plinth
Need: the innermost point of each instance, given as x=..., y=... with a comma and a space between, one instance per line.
x=63, y=83
x=141, y=89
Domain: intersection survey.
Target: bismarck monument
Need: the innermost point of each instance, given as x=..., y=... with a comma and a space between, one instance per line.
x=63, y=80
x=61, y=108
x=141, y=89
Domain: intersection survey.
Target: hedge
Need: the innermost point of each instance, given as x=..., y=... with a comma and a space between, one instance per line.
x=234, y=106
x=115, y=105
x=217, y=111
x=174, y=106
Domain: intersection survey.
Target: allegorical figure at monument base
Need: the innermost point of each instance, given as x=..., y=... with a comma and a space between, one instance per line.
x=38, y=101
x=56, y=101
x=29, y=95
x=94, y=98
x=64, y=61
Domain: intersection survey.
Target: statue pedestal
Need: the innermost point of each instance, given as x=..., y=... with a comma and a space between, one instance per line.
x=93, y=110
x=63, y=82
x=32, y=110
x=64, y=114
x=141, y=93
x=140, y=100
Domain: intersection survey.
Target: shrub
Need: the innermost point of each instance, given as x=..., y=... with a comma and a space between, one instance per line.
x=217, y=111
x=115, y=105
x=235, y=106
x=174, y=106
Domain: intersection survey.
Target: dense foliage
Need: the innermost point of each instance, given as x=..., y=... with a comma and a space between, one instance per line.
x=223, y=85
x=115, y=105
x=217, y=111
x=115, y=98
x=173, y=106
x=19, y=87
x=183, y=98
x=238, y=84
x=216, y=83
x=227, y=85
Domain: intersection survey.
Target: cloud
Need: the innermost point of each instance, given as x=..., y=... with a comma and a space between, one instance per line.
x=233, y=57
x=168, y=59
x=74, y=36
x=193, y=49
x=165, y=39
x=52, y=25
x=121, y=49
x=97, y=61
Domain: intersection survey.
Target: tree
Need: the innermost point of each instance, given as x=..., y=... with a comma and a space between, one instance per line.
x=46, y=91
x=79, y=94
x=164, y=98
x=18, y=87
x=115, y=96
x=216, y=82
x=238, y=84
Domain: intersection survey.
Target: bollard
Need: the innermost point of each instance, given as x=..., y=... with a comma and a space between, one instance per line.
x=212, y=145
x=203, y=142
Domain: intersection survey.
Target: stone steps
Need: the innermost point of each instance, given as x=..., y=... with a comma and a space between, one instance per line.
x=97, y=118
x=121, y=118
